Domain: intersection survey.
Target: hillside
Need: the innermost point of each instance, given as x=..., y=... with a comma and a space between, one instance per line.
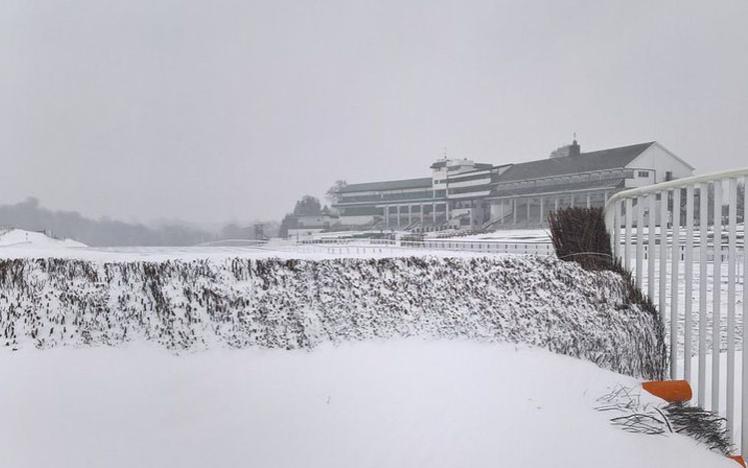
x=21, y=239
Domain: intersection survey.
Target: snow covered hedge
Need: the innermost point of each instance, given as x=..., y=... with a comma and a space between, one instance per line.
x=185, y=305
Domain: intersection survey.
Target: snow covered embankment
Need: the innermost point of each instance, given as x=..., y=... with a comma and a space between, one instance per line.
x=185, y=305
x=18, y=238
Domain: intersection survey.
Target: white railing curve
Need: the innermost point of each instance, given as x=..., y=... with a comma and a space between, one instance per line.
x=667, y=214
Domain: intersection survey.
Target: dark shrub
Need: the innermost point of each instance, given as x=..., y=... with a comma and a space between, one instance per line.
x=579, y=235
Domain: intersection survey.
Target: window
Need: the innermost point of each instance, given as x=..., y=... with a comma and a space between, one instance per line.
x=643, y=174
x=669, y=175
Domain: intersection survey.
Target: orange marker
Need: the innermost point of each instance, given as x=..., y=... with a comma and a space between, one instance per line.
x=670, y=390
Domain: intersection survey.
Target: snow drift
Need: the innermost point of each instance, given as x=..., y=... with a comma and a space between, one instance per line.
x=35, y=240
x=399, y=404
x=274, y=303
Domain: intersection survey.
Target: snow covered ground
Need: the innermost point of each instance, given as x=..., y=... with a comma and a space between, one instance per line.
x=17, y=243
x=20, y=239
x=275, y=249
x=501, y=235
x=394, y=403
x=401, y=403
x=525, y=235
x=736, y=417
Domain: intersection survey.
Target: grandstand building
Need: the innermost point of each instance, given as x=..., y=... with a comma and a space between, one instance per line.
x=464, y=194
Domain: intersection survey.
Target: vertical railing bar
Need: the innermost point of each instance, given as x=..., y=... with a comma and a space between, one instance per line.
x=716, y=296
x=639, y=241
x=627, y=238
x=731, y=222
x=674, y=286
x=663, y=253
x=609, y=217
x=744, y=377
x=616, y=234
x=688, y=292
x=703, y=245
x=651, y=256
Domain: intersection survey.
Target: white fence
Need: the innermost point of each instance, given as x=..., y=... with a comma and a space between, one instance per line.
x=677, y=228
x=478, y=246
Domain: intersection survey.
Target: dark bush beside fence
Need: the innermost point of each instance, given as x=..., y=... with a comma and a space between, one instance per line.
x=579, y=235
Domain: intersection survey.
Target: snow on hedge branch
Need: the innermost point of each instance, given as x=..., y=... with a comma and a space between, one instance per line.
x=188, y=305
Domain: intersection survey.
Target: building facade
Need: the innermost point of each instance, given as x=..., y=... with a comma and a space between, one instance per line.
x=463, y=193
x=305, y=226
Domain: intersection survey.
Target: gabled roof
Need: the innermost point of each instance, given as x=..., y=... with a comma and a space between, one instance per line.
x=593, y=161
x=423, y=182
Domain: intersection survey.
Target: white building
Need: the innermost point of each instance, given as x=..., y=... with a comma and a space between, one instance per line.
x=461, y=192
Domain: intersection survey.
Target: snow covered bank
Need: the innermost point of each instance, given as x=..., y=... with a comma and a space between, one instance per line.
x=273, y=303
x=18, y=238
x=396, y=404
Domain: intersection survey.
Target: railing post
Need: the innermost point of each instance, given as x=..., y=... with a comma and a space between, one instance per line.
x=662, y=295
x=716, y=296
x=688, y=292
x=731, y=222
x=744, y=417
x=674, y=285
x=703, y=246
x=652, y=255
x=615, y=233
x=627, y=237
x=639, y=242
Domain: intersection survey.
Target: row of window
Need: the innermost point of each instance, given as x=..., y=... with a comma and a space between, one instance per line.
x=389, y=196
x=561, y=180
x=573, y=179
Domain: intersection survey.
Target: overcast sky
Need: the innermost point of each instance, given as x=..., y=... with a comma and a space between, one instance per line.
x=213, y=110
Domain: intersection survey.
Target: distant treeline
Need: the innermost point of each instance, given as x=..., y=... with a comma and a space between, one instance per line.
x=31, y=216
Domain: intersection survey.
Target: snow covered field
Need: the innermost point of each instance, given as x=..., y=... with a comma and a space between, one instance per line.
x=372, y=399
x=396, y=404
x=24, y=244
x=277, y=249
x=525, y=235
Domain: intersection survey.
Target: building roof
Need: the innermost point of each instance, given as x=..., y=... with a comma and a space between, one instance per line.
x=593, y=161
x=422, y=182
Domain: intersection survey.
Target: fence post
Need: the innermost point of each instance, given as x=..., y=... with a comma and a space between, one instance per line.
x=716, y=296
x=627, y=236
x=663, y=253
x=744, y=419
x=731, y=221
x=639, y=243
x=703, y=246
x=688, y=278
x=674, y=285
x=652, y=252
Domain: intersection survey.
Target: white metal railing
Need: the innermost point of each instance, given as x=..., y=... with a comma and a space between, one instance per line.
x=480, y=246
x=668, y=222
